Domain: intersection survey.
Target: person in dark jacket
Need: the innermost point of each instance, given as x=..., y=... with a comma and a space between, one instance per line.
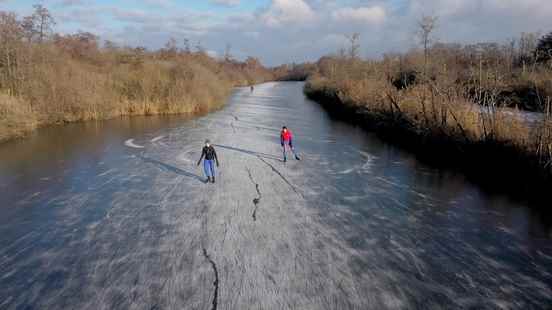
x=211, y=158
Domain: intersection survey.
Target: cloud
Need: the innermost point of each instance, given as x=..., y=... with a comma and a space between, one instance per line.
x=134, y=16
x=489, y=20
x=228, y=3
x=212, y=53
x=284, y=31
x=285, y=12
x=85, y=18
x=369, y=15
x=71, y=2
x=159, y=3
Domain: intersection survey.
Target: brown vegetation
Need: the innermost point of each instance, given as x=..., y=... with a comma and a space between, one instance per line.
x=446, y=101
x=49, y=78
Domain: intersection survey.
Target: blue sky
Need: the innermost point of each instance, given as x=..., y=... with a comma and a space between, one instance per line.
x=283, y=31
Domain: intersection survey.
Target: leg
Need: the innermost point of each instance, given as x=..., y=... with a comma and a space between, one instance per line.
x=284, y=151
x=212, y=167
x=206, y=168
x=295, y=154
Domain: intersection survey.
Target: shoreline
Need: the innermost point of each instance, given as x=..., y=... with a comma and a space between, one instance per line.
x=497, y=168
x=195, y=111
x=25, y=133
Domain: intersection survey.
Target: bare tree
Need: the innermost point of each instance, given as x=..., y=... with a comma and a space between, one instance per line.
x=252, y=62
x=187, y=48
x=543, y=50
x=39, y=24
x=342, y=53
x=110, y=45
x=427, y=25
x=79, y=45
x=354, y=40
x=199, y=48
x=10, y=45
x=170, y=49
x=170, y=46
x=28, y=28
x=228, y=53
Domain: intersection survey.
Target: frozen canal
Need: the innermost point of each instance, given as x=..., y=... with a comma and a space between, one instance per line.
x=114, y=215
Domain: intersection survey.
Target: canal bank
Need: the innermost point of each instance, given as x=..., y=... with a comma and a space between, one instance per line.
x=497, y=165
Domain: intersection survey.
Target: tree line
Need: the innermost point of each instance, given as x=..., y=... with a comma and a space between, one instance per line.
x=48, y=77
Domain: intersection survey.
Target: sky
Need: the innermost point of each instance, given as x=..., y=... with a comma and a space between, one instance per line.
x=285, y=31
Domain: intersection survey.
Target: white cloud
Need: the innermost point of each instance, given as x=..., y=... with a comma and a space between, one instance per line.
x=282, y=12
x=159, y=3
x=334, y=40
x=369, y=15
x=212, y=53
x=70, y=2
x=228, y=3
x=298, y=30
x=252, y=34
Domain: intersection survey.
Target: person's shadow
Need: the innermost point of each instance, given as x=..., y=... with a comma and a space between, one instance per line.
x=172, y=169
x=263, y=155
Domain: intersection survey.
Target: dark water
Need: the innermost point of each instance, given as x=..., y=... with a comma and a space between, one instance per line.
x=423, y=237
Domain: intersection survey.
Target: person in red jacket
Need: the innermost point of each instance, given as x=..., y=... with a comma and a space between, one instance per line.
x=286, y=140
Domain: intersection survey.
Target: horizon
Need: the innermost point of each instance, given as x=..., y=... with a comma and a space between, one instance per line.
x=292, y=31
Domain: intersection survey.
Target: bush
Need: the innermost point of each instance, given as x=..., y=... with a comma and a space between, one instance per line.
x=544, y=49
x=70, y=78
x=16, y=117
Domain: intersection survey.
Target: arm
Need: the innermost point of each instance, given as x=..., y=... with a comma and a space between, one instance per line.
x=202, y=154
x=216, y=157
x=290, y=139
x=282, y=139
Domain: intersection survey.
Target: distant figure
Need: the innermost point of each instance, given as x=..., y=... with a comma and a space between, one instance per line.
x=286, y=140
x=252, y=88
x=209, y=163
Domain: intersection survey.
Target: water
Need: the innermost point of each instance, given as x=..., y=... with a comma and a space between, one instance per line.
x=115, y=215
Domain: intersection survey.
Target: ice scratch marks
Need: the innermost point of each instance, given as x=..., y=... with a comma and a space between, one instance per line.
x=130, y=143
x=216, y=281
x=257, y=200
x=281, y=176
x=368, y=160
x=347, y=171
x=157, y=139
x=364, y=167
x=107, y=172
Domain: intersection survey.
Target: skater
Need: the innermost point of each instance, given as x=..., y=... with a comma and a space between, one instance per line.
x=252, y=88
x=286, y=140
x=209, y=163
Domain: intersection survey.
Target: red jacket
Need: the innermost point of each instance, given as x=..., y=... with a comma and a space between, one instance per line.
x=286, y=136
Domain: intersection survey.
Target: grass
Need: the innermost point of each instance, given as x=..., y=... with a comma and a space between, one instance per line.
x=57, y=88
x=438, y=118
x=70, y=78
x=16, y=117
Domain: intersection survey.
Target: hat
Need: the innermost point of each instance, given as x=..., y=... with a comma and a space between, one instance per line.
x=207, y=141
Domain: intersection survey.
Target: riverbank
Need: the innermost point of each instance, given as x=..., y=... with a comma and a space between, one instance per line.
x=68, y=90
x=77, y=77
x=496, y=148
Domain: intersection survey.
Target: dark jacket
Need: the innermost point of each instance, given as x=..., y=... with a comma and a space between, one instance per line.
x=209, y=153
